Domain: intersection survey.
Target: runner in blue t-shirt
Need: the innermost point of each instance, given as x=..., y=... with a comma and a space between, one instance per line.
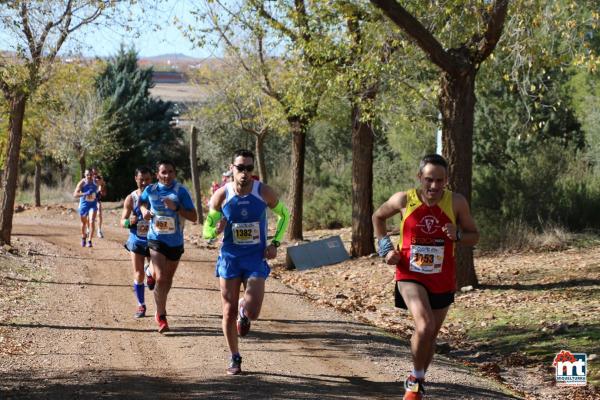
x=166, y=205
x=242, y=259
x=86, y=191
x=137, y=244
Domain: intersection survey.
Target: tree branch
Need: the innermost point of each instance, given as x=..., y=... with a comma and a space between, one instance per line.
x=303, y=20
x=272, y=21
x=424, y=39
x=27, y=29
x=268, y=89
x=494, y=30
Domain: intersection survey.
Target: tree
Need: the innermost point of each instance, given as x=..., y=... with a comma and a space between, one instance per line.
x=41, y=29
x=140, y=124
x=459, y=63
x=236, y=101
x=301, y=72
x=73, y=130
x=529, y=127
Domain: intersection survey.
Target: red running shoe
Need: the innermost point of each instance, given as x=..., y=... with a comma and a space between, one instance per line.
x=150, y=281
x=414, y=388
x=163, y=325
x=141, y=311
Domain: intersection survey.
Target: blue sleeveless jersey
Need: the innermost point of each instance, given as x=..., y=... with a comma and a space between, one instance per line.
x=138, y=233
x=91, y=200
x=166, y=225
x=245, y=234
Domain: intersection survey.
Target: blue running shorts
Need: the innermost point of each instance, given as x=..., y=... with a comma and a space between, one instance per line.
x=136, y=248
x=241, y=268
x=85, y=209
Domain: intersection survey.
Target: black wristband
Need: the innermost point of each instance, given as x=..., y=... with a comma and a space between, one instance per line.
x=458, y=235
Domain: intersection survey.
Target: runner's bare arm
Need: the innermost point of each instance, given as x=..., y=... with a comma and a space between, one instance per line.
x=468, y=230
x=102, y=187
x=78, y=192
x=189, y=214
x=391, y=207
x=145, y=210
x=217, y=199
x=127, y=219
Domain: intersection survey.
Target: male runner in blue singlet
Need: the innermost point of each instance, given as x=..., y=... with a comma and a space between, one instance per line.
x=242, y=258
x=166, y=205
x=137, y=243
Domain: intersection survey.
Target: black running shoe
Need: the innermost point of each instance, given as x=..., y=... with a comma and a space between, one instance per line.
x=235, y=365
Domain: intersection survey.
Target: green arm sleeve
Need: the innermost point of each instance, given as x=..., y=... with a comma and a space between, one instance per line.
x=209, y=229
x=282, y=221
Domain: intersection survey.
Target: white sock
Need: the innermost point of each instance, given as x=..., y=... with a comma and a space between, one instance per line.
x=419, y=374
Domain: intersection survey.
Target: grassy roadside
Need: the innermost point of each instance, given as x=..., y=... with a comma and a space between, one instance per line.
x=528, y=307
x=19, y=266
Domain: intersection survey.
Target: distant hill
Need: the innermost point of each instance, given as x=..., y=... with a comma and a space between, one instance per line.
x=170, y=58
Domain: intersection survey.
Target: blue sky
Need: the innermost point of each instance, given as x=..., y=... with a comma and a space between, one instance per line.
x=157, y=33
x=166, y=38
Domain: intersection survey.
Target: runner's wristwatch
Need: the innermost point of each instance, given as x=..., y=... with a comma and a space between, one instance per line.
x=275, y=243
x=458, y=235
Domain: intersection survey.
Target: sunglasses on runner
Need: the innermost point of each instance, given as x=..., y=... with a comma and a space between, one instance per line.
x=242, y=167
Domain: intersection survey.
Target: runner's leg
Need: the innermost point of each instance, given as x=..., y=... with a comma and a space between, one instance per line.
x=137, y=261
x=92, y=224
x=164, y=270
x=439, y=316
x=422, y=341
x=253, y=297
x=230, y=291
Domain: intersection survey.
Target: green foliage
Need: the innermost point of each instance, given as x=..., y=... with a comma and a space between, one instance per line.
x=140, y=123
x=533, y=164
x=585, y=89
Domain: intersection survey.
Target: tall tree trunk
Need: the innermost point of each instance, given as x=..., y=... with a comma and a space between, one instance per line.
x=11, y=169
x=299, y=128
x=362, y=185
x=195, y=172
x=260, y=157
x=457, y=105
x=82, y=164
x=37, y=182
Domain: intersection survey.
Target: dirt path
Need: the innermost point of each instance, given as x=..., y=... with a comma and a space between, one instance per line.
x=85, y=343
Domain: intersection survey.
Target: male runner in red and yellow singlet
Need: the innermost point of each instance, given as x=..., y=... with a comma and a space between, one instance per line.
x=434, y=221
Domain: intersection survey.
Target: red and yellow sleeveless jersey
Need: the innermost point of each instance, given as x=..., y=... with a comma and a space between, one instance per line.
x=427, y=254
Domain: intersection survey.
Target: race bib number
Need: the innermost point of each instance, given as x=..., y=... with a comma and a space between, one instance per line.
x=246, y=233
x=90, y=197
x=427, y=259
x=142, y=228
x=163, y=224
